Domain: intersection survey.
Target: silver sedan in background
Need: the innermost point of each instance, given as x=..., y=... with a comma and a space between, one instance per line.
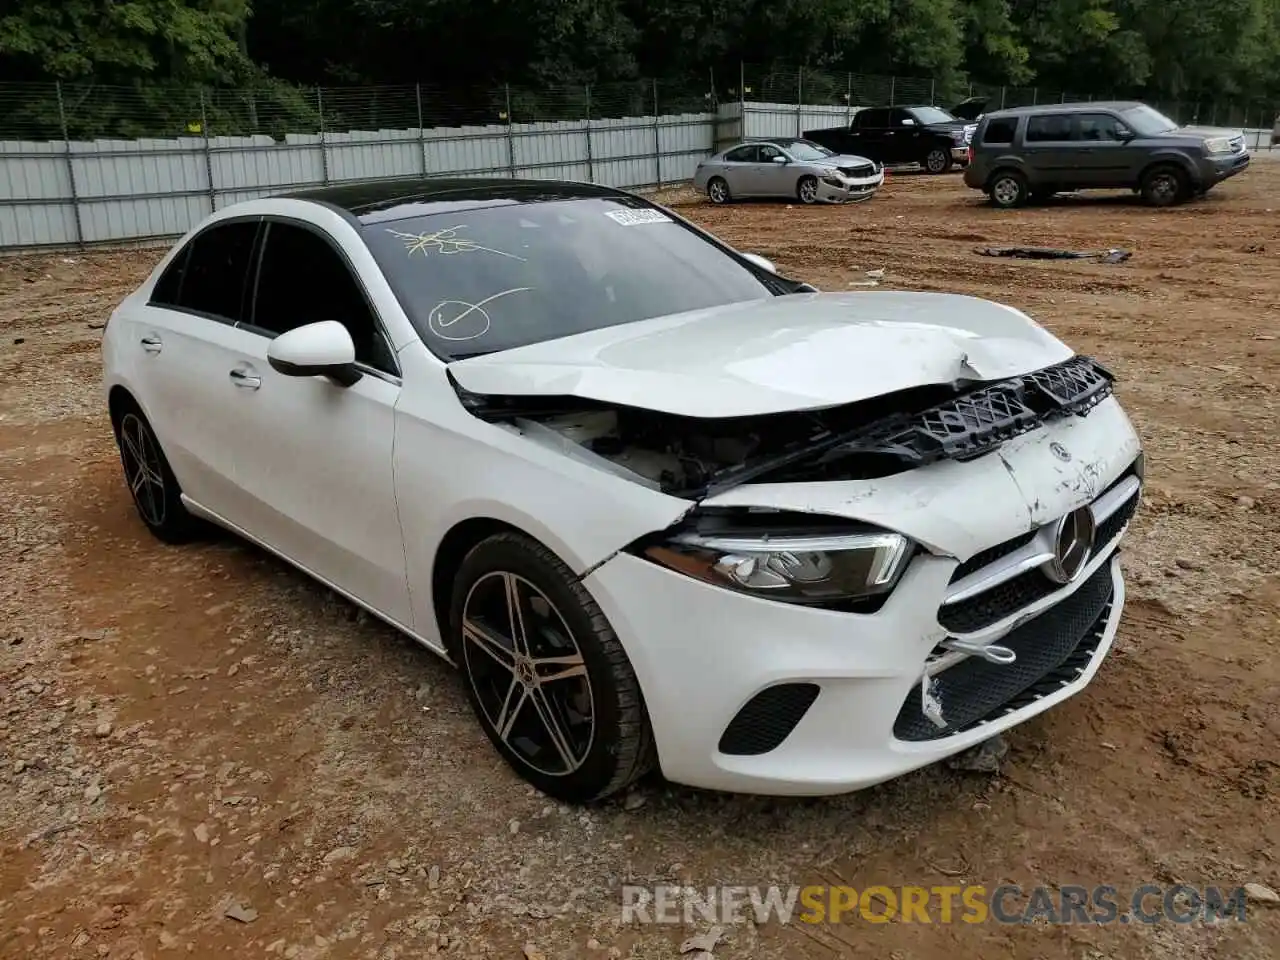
x=787, y=167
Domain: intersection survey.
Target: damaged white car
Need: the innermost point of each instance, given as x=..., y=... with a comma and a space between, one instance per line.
x=660, y=505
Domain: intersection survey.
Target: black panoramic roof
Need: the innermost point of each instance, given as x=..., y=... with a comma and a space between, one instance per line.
x=378, y=201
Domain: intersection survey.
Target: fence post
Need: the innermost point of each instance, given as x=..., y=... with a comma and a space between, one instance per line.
x=324, y=151
x=933, y=92
x=511, y=139
x=799, y=102
x=422, y=134
x=208, y=154
x=848, y=99
x=1002, y=92
x=892, y=84
x=587, y=129
x=657, y=135
x=1035, y=95
x=71, y=168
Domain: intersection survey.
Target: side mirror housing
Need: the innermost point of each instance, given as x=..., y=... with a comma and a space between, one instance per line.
x=908, y=122
x=322, y=349
x=1124, y=133
x=760, y=262
x=779, y=159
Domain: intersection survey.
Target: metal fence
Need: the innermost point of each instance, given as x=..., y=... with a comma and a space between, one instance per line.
x=84, y=164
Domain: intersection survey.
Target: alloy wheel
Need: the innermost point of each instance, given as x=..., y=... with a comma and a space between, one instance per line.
x=143, y=468
x=1006, y=191
x=1164, y=187
x=809, y=191
x=936, y=161
x=718, y=192
x=528, y=673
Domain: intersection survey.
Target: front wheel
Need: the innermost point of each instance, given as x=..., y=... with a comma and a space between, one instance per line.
x=546, y=675
x=937, y=160
x=807, y=189
x=718, y=190
x=1164, y=186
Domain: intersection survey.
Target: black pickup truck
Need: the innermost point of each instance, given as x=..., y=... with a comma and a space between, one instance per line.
x=929, y=136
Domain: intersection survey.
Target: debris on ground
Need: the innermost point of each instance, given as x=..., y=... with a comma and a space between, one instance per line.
x=241, y=914
x=702, y=945
x=1260, y=893
x=1050, y=253
x=984, y=758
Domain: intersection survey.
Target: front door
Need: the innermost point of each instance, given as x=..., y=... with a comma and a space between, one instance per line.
x=1103, y=155
x=776, y=179
x=313, y=459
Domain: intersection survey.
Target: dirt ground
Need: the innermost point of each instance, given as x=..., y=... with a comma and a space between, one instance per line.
x=184, y=730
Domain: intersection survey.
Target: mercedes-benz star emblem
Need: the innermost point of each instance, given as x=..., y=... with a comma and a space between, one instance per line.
x=1072, y=545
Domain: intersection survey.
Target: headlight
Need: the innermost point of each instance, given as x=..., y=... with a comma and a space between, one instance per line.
x=797, y=568
x=833, y=181
x=958, y=136
x=1218, y=145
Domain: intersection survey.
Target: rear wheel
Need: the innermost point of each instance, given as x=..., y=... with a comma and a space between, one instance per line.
x=718, y=190
x=807, y=189
x=156, y=494
x=1164, y=186
x=1008, y=189
x=546, y=675
x=937, y=160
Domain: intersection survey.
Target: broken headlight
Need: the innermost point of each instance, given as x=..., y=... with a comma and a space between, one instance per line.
x=808, y=568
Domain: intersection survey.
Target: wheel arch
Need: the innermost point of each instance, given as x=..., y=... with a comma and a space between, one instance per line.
x=119, y=402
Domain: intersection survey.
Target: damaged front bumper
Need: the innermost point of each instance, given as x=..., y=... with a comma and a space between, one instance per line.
x=754, y=695
x=836, y=187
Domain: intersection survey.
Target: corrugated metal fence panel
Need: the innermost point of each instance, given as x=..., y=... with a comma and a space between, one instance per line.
x=150, y=188
x=35, y=171
x=683, y=140
x=790, y=120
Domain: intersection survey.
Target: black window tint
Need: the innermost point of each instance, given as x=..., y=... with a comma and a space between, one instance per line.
x=1098, y=126
x=872, y=119
x=1000, y=131
x=742, y=155
x=217, y=268
x=899, y=118
x=501, y=277
x=1051, y=127
x=165, y=293
x=768, y=151
x=302, y=280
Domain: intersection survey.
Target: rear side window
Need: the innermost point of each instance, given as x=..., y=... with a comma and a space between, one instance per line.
x=1000, y=131
x=209, y=275
x=1050, y=127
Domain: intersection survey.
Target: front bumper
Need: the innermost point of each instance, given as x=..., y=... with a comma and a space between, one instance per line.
x=837, y=188
x=1217, y=169
x=960, y=155
x=758, y=696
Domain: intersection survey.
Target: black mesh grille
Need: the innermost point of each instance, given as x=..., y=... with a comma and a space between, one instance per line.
x=974, y=690
x=991, y=555
x=864, y=170
x=1027, y=588
x=767, y=719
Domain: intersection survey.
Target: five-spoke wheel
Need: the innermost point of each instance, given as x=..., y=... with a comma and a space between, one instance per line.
x=154, y=488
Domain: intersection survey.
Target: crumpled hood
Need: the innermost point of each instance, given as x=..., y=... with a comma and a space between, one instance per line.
x=843, y=160
x=803, y=351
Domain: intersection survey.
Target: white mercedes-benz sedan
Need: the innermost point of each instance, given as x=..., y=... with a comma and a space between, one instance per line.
x=659, y=504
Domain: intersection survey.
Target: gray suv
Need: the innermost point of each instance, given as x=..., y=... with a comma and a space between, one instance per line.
x=1035, y=152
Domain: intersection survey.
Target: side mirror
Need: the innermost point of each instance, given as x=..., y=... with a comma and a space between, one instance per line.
x=779, y=159
x=760, y=262
x=1124, y=133
x=322, y=349
x=908, y=122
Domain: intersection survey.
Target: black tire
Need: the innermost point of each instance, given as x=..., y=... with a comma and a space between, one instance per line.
x=938, y=160
x=1165, y=185
x=618, y=747
x=807, y=189
x=156, y=494
x=1007, y=189
x=718, y=190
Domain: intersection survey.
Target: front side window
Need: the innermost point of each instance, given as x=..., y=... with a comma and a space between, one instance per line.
x=499, y=277
x=302, y=279
x=768, y=151
x=1099, y=126
x=873, y=119
x=210, y=275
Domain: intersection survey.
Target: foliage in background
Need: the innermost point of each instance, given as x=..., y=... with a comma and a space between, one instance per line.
x=136, y=67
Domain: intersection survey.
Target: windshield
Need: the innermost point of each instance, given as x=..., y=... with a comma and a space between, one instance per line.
x=500, y=277
x=1146, y=121
x=804, y=150
x=931, y=115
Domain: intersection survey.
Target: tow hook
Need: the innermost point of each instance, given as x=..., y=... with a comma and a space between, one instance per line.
x=990, y=652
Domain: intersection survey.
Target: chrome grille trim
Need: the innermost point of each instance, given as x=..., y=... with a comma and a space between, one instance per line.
x=1040, y=550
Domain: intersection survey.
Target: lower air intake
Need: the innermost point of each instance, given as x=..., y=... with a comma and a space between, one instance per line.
x=767, y=719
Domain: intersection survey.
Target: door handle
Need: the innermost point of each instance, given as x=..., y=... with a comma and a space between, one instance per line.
x=245, y=378
x=151, y=344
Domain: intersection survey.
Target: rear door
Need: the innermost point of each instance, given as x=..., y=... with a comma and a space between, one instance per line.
x=1050, y=151
x=185, y=342
x=313, y=459
x=741, y=170
x=872, y=138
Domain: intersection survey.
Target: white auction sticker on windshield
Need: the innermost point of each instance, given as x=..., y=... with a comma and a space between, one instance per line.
x=630, y=218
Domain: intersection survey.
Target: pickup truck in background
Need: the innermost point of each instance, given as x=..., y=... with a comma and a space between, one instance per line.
x=929, y=136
